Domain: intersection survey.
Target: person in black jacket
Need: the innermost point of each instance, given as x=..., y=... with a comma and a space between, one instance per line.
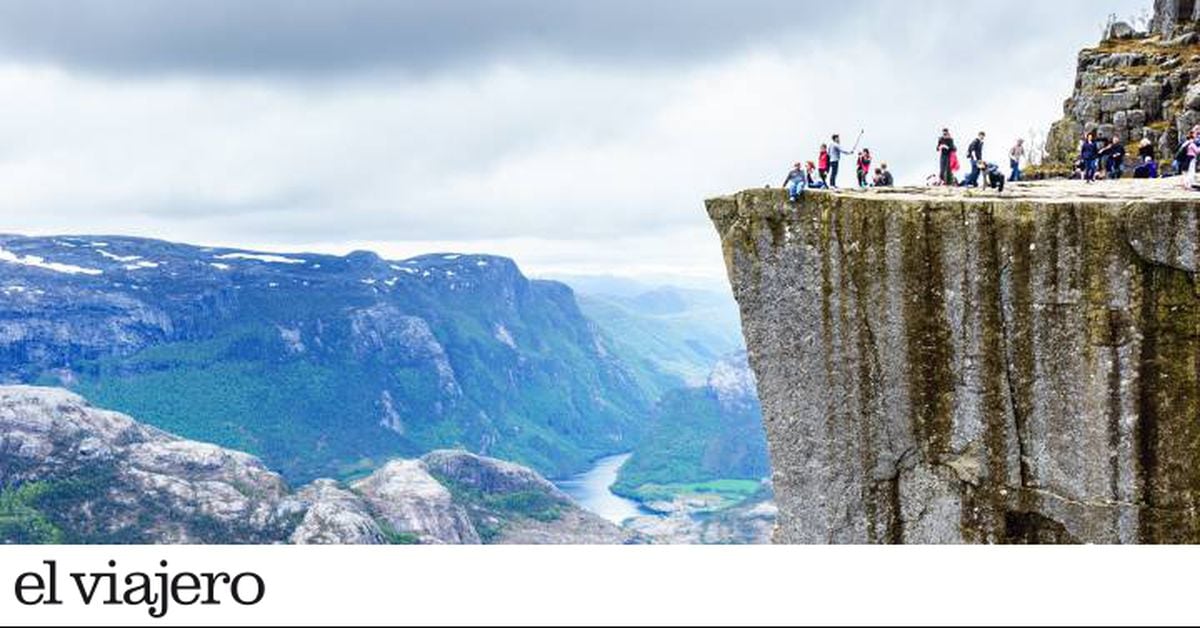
x=1114, y=158
x=1089, y=157
x=946, y=150
x=975, y=155
x=1146, y=149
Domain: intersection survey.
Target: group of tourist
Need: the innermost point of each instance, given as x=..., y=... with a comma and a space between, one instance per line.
x=1098, y=158
x=983, y=173
x=1105, y=157
x=823, y=174
x=1109, y=154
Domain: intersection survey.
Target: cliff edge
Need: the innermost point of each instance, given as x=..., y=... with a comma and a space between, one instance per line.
x=951, y=366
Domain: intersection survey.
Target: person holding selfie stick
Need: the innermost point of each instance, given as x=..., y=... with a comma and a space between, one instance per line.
x=835, y=156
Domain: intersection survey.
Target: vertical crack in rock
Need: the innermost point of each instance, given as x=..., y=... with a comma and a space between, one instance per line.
x=930, y=381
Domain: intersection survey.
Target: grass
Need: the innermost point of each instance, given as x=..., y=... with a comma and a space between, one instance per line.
x=715, y=495
x=21, y=519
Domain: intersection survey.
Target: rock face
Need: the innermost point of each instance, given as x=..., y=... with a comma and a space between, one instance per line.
x=1170, y=15
x=334, y=516
x=71, y=473
x=411, y=500
x=1135, y=85
x=960, y=367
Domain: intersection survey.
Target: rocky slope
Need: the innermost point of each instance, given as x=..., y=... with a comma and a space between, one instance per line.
x=321, y=365
x=942, y=366
x=71, y=473
x=1135, y=85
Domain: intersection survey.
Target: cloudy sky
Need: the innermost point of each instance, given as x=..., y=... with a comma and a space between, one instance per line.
x=578, y=136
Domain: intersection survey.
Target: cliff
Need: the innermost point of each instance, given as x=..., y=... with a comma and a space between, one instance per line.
x=945, y=366
x=72, y=473
x=1135, y=85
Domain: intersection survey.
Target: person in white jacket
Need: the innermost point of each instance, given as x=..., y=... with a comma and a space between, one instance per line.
x=1015, y=156
x=836, y=152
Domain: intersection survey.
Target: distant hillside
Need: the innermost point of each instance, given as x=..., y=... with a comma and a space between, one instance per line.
x=320, y=365
x=676, y=332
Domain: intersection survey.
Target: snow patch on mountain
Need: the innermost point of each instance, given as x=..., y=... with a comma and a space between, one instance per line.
x=261, y=257
x=40, y=262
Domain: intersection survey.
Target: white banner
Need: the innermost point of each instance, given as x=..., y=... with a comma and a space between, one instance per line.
x=595, y=585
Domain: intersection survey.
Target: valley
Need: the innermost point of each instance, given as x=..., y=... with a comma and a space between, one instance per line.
x=331, y=367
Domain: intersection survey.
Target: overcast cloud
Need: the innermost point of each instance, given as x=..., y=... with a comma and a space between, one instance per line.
x=574, y=136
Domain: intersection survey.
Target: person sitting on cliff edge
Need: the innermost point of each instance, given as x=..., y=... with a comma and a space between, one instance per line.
x=795, y=182
x=815, y=181
x=883, y=177
x=1148, y=169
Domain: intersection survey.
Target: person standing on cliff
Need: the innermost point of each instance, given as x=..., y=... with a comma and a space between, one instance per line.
x=1015, y=156
x=975, y=156
x=1182, y=159
x=946, y=150
x=835, y=159
x=823, y=164
x=864, y=167
x=1089, y=156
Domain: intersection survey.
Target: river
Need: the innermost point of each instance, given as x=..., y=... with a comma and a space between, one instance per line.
x=591, y=490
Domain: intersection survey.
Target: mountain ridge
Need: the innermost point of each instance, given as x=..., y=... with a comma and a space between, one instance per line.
x=358, y=358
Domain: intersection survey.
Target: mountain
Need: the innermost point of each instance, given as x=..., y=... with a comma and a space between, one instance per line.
x=71, y=473
x=320, y=365
x=674, y=335
x=703, y=440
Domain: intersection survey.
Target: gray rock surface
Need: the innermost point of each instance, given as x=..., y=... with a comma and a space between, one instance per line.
x=334, y=516
x=1170, y=15
x=948, y=366
x=410, y=500
x=129, y=482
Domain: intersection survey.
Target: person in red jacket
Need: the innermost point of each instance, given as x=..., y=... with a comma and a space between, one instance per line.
x=823, y=164
x=864, y=167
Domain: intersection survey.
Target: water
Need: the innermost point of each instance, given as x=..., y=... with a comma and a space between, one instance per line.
x=591, y=490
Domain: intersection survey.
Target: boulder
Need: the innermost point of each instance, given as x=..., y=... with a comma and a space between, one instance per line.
x=1120, y=30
